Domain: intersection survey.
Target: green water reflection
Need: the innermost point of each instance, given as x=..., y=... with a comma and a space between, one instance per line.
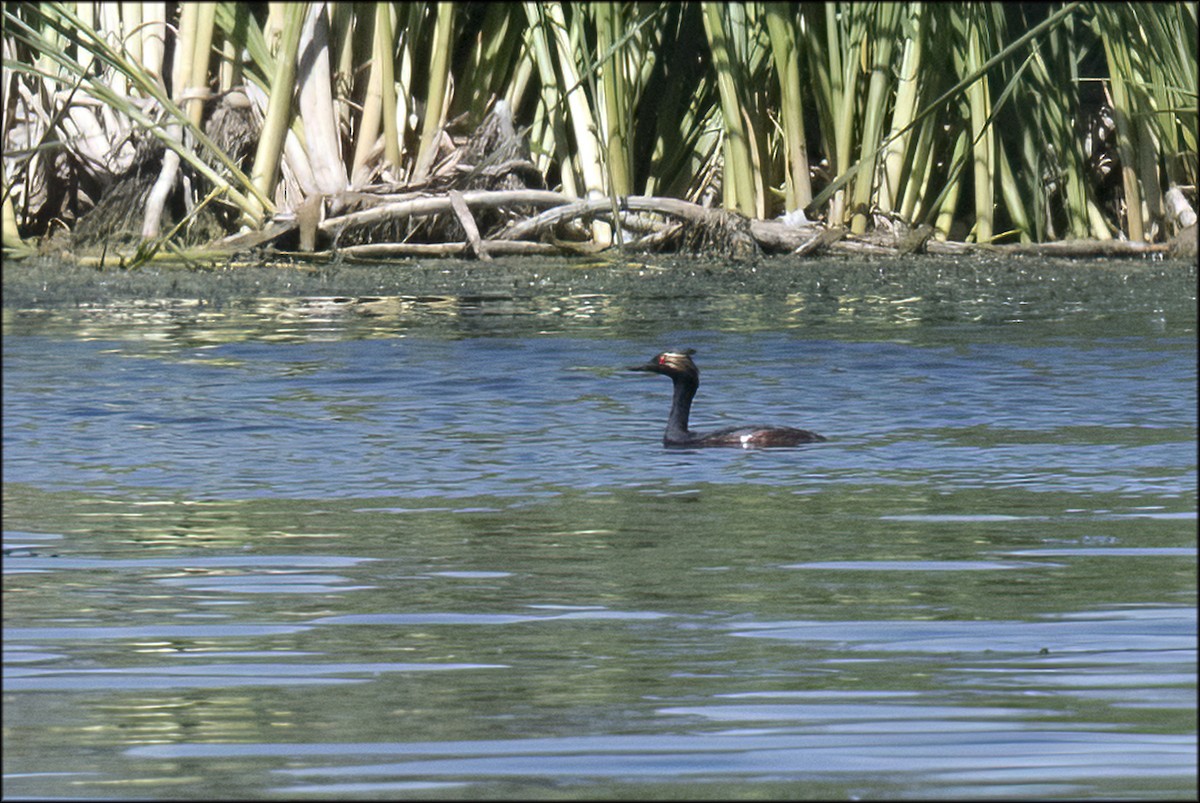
x=716, y=548
x=581, y=613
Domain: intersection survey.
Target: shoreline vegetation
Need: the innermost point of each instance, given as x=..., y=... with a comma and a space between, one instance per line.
x=245, y=133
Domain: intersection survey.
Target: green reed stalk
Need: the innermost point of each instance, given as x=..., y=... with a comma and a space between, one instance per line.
x=515, y=90
x=181, y=70
x=615, y=90
x=907, y=90
x=1127, y=140
x=738, y=183
x=782, y=32
x=265, y=173
x=495, y=57
x=230, y=73
x=11, y=240
x=1173, y=83
x=849, y=36
x=579, y=113
x=366, y=134
x=132, y=33
x=556, y=49
x=438, y=89
x=385, y=84
x=979, y=100
x=879, y=38
x=1010, y=191
x=686, y=133
x=548, y=128
x=913, y=204
x=1151, y=58
x=348, y=43
x=947, y=200
x=153, y=36
x=197, y=69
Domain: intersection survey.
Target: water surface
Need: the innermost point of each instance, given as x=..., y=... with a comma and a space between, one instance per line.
x=409, y=531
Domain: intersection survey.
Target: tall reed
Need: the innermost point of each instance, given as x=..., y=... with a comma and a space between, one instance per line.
x=981, y=119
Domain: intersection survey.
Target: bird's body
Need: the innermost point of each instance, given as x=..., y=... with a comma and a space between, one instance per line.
x=685, y=376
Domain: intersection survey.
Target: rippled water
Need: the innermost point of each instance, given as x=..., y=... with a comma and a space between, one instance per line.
x=410, y=532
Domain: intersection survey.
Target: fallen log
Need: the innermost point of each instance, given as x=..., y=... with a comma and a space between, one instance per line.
x=1076, y=248
x=537, y=234
x=436, y=204
x=599, y=206
x=494, y=247
x=467, y=221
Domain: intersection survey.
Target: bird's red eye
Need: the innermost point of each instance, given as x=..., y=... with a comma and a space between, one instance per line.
x=662, y=359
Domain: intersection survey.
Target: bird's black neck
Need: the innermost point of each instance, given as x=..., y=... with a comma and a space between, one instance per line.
x=681, y=406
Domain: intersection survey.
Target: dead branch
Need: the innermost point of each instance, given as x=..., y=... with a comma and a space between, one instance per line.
x=496, y=247
x=432, y=205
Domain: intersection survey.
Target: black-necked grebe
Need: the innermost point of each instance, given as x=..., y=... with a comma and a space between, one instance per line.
x=686, y=377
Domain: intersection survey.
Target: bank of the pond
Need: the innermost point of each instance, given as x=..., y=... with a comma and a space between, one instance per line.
x=990, y=281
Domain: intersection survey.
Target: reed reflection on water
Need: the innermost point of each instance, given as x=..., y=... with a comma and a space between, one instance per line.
x=431, y=544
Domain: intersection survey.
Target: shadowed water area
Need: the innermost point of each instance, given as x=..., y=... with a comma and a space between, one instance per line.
x=409, y=530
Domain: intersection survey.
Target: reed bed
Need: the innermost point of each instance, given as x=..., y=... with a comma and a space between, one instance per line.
x=480, y=128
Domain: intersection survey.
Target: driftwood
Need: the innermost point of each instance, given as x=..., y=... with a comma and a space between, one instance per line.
x=436, y=204
x=497, y=247
x=648, y=223
x=632, y=212
x=467, y=221
x=1078, y=248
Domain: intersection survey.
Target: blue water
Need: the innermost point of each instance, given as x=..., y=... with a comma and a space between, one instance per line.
x=434, y=548
x=521, y=417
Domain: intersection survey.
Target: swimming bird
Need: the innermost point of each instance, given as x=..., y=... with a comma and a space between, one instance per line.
x=686, y=379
